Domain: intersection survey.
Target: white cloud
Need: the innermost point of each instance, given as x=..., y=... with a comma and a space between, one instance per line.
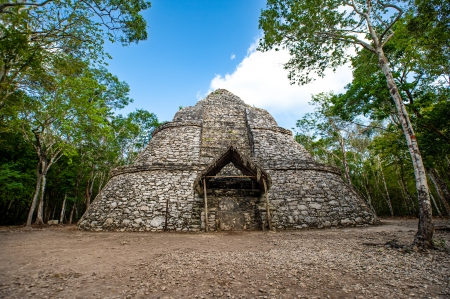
x=232, y=56
x=260, y=80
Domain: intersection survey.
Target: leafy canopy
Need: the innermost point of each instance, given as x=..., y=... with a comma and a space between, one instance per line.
x=317, y=34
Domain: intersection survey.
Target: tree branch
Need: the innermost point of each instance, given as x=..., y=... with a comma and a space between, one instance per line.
x=6, y=5
x=348, y=39
x=400, y=13
x=355, y=8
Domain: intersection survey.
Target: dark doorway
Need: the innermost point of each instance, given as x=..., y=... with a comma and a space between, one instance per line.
x=235, y=202
x=232, y=187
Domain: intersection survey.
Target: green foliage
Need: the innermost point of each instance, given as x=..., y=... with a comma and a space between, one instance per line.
x=366, y=112
x=17, y=176
x=429, y=27
x=58, y=102
x=359, y=144
x=132, y=133
x=304, y=28
x=31, y=35
x=408, y=40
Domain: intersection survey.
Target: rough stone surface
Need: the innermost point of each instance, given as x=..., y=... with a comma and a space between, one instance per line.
x=157, y=193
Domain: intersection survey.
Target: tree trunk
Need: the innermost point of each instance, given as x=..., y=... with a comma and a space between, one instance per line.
x=77, y=191
x=442, y=185
x=435, y=205
x=369, y=198
x=92, y=186
x=89, y=187
x=102, y=178
x=63, y=209
x=388, y=199
x=40, y=213
x=369, y=201
x=432, y=176
x=53, y=213
x=408, y=209
x=71, y=213
x=344, y=160
x=405, y=188
x=447, y=174
x=35, y=196
x=424, y=235
x=9, y=205
x=47, y=213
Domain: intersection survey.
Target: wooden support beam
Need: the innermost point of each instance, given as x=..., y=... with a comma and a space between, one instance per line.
x=206, y=205
x=269, y=220
x=167, y=213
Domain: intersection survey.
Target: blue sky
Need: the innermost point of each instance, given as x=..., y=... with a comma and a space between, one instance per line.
x=197, y=46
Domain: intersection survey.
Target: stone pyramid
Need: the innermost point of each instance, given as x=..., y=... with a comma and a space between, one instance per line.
x=255, y=176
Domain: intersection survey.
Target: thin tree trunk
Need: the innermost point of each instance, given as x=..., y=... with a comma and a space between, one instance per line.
x=435, y=205
x=441, y=194
x=92, y=186
x=9, y=205
x=424, y=235
x=40, y=213
x=405, y=189
x=35, y=197
x=388, y=199
x=408, y=209
x=63, y=209
x=39, y=216
x=77, y=191
x=71, y=213
x=367, y=186
x=47, y=212
x=447, y=173
x=53, y=213
x=377, y=183
x=100, y=184
x=442, y=185
x=405, y=195
x=344, y=154
x=344, y=160
x=369, y=198
x=89, y=187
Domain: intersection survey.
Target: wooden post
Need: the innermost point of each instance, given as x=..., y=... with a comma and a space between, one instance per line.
x=63, y=210
x=206, y=205
x=269, y=220
x=167, y=213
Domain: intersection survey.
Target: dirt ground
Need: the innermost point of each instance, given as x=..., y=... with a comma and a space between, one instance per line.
x=62, y=262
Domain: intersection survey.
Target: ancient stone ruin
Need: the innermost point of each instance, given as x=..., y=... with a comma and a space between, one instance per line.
x=224, y=165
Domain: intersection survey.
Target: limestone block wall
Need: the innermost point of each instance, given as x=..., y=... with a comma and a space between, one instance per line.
x=224, y=123
x=137, y=202
x=189, y=113
x=260, y=118
x=312, y=198
x=174, y=142
x=273, y=146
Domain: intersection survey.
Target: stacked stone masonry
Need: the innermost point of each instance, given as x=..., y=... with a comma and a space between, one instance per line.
x=156, y=192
